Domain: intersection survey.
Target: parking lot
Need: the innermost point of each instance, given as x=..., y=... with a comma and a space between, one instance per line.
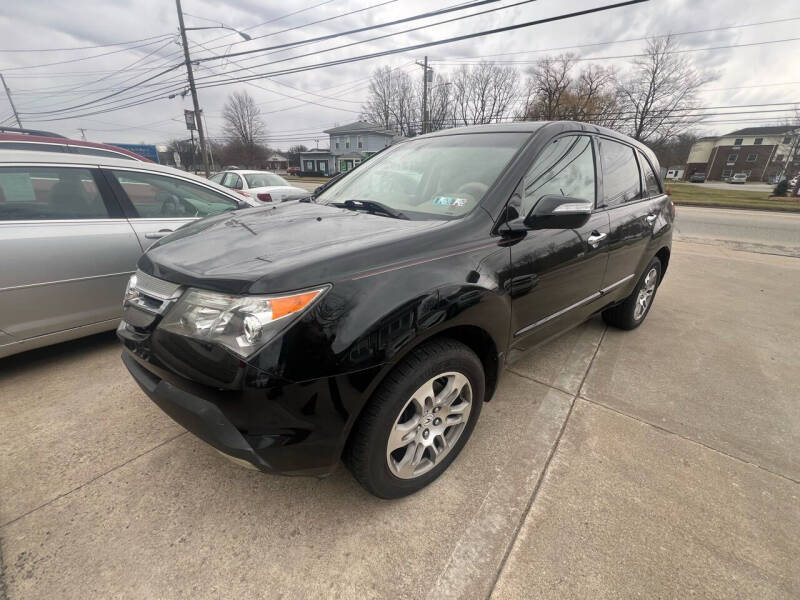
x=663, y=462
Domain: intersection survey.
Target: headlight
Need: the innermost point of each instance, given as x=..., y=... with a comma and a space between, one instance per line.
x=241, y=323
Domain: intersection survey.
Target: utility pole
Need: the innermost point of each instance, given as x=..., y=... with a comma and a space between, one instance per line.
x=197, y=112
x=10, y=101
x=426, y=73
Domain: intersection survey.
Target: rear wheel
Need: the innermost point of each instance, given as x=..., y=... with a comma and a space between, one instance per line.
x=632, y=311
x=418, y=420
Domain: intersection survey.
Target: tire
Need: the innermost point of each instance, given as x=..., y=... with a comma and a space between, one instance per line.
x=394, y=413
x=628, y=314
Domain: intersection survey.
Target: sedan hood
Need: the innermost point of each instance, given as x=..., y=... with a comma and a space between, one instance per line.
x=283, y=247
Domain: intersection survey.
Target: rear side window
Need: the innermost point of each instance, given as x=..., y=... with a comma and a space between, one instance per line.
x=651, y=183
x=33, y=147
x=232, y=180
x=40, y=193
x=160, y=197
x=564, y=168
x=621, y=179
x=99, y=152
x=217, y=178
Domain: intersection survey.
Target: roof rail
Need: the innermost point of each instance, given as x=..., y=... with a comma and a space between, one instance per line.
x=31, y=132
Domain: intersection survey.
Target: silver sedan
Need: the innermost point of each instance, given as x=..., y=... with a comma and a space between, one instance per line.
x=71, y=231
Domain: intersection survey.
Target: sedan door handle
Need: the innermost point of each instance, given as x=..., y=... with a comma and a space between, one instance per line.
x=595, y=238
x=156, y=235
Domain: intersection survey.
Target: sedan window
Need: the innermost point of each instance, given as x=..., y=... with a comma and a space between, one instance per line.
x=233, y=181
x=33, y=146
x=256, y=180
x=159, y=196
x=217, y=178
x=100, y=152
x=39, y=193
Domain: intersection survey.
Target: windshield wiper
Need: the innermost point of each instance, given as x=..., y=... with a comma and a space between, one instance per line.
x=371, y=206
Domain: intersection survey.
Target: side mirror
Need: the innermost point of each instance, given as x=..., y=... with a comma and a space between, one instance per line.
x=559, y=212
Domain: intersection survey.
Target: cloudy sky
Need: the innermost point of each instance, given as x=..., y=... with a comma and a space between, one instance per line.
x=60, y=63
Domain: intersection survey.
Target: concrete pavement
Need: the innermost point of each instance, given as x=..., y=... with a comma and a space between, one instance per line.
x=752, y=230
x=661, y=462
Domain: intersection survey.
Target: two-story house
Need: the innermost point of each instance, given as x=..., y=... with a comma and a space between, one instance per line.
x=349, y=145
x=760, y=152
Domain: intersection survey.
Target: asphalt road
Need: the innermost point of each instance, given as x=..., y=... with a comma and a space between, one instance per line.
x=662, y=462
x=752, y=230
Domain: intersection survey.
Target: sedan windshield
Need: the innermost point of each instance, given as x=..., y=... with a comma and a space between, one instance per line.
x=432, y=178
x=256, y=180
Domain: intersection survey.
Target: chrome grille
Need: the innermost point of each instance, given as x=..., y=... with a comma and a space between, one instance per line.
x=152, y=286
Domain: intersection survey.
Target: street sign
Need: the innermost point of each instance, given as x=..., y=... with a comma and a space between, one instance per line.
x=189, y=116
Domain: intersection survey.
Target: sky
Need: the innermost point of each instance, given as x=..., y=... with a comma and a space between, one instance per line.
x=56, y=72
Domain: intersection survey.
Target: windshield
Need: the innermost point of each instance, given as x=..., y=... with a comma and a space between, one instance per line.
x=255, y=180
x=432, y=178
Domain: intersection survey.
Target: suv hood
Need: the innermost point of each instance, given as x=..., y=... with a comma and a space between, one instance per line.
x=282, y=247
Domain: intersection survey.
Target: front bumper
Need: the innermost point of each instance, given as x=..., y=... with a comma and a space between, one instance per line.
x=276, y=426
x=203, y=418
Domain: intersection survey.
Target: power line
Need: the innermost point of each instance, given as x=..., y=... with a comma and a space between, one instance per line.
x=588, y=58
x=16, y=50
x=73, y=60
x=436, y=42
x=363, y=57
x=416, y=17
x=637, y=39
x=299, y=26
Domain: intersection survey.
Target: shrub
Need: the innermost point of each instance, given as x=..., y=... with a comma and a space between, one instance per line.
x=781, y=189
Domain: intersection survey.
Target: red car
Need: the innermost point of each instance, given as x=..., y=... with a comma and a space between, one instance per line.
x=293, y=170
x=12, y=138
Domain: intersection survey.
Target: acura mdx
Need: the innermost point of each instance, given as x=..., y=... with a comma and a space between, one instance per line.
x=371, y=323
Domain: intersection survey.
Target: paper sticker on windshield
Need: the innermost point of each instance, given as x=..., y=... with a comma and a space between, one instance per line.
x=449, y=201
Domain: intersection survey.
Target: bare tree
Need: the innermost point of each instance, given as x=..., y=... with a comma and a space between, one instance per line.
x=440, y=104
x=548, y=82
x=243, y=121
x=659, y=93
x=293, y=154
x=484, y=93
x=244, y=129
x=393, y=101
x=554, y=92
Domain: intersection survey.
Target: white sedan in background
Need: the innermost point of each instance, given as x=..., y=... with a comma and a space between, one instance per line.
x=260, y=185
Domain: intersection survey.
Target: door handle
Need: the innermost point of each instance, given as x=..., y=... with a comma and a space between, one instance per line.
x=595, y=238
x=651, y=218
x=156, y=235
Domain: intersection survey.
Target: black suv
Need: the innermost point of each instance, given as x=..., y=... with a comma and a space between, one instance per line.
x=371, y=323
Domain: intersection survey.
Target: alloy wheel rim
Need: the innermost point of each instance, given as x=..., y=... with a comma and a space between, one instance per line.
x=645, y=294
x=429, y=425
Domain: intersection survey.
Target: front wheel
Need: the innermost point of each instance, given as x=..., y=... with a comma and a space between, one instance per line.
x=632, y=311
x=418, y=420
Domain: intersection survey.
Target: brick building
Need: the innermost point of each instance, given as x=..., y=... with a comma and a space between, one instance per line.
x=760, y=152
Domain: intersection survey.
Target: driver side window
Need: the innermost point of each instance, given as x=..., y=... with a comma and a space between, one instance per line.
x=565, y=167
x=159, y=197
